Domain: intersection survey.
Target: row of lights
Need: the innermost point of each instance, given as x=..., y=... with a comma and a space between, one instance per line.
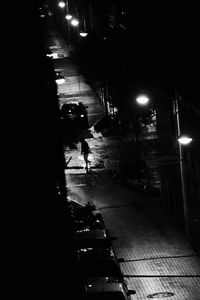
x=142, y=99
x=73, y=21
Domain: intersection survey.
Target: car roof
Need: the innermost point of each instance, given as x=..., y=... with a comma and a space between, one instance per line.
x=102, y=280
x=71, y=103
x=100, y=267
x=91, y=234
x=96, y=252
x=81, y=205
x=106, y=286
x=98, y=259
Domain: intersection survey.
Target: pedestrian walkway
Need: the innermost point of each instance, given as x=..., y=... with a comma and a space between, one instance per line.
x=157, y=258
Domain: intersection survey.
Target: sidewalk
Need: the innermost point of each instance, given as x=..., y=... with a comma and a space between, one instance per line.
x=157, y=257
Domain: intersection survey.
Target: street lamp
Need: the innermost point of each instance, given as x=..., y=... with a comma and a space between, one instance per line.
x=83, y=31
x=74, y=22
x=61, y=4
x=184, y=140
x=142, y=100
x=68, y=17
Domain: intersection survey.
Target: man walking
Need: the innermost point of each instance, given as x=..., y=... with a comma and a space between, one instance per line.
x=85, y=150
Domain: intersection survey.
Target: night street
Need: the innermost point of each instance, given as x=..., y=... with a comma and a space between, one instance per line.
x=102, y=178
x=157, y=258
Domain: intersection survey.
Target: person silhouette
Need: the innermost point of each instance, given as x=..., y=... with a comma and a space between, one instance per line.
x=85, y=150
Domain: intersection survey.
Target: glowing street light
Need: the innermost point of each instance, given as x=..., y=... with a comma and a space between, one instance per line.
x=83, y=30
x=184, y=140
x=142, y=99
x=61, y=4
x=74, y=22
x=68, y=17
x=83, y=34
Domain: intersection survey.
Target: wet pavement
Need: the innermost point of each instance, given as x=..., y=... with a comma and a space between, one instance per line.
x=158, y=261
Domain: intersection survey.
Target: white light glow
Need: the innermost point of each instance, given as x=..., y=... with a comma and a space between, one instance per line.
x=68, y=17
x=60, y=80
x=74, y=22
x=83, y=230
x=184, y=140
x=83, y=34
x=61, y=4
x=142, y=100
x=53, y=55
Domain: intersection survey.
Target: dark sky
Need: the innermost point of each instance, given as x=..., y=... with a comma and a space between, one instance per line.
x=166, y=36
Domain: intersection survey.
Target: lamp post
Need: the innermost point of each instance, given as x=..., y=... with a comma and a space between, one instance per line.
x=142, y=100
x=182, y=140
x=83, y=32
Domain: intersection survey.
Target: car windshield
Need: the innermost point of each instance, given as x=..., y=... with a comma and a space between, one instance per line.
x=93, y=243
x=106, y=296
x=102, y=268
x=69, y=107
x=97, y=225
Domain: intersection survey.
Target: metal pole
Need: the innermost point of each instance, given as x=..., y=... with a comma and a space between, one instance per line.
x=138, y=160
x=185, y=202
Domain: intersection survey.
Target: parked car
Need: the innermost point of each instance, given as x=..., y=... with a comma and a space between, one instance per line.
x=85, y=253
x=107, y=288
x=90, y=233
x=89, y=229
x=84, y=212
x=76, y=112
x=100, y=264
